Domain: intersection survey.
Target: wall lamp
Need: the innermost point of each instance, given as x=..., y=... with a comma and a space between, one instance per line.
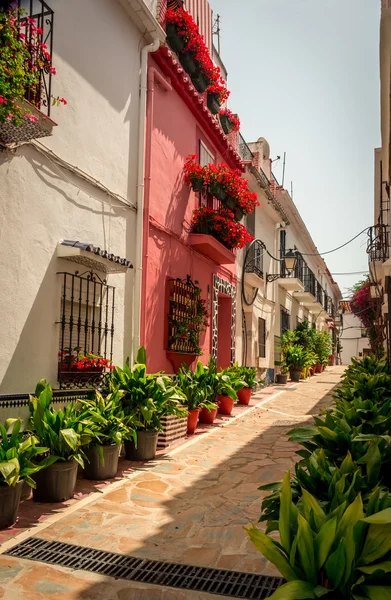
x=290, y=260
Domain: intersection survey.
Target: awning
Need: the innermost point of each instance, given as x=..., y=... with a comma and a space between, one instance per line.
x=92, y=257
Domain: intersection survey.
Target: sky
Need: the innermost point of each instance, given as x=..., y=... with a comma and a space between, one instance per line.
x=304, y=74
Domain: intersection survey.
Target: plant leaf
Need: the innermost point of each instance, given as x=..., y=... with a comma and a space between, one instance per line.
x=294, y=590
x=285, y=513
x=323, y=541
x=270, y=551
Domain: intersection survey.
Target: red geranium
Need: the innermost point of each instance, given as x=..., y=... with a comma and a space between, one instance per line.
x=232, y=118
x=221, y=225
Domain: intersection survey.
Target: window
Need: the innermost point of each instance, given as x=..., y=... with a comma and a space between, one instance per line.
x=285, y=320
x=298, y=321
x=206, y=156
x=261, y=338
x=282, y=252
x=86, y=327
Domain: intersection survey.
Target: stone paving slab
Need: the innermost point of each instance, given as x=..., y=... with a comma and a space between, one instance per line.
x=188, y=508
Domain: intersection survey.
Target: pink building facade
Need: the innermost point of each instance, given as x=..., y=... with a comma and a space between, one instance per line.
x=179, y=124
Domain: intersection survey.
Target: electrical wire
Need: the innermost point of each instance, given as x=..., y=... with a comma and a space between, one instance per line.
x=339, y=247
x=350, y=273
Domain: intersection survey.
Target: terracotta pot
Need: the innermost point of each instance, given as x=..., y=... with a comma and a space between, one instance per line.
x=226, y=405
x=208, y=416
x=331, y=360
x=177, y=358
x=312, y=371
x=192, y=420
x=244, y=395
x=318, y=368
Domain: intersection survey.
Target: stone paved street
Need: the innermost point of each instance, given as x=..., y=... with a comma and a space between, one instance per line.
x=189, y=506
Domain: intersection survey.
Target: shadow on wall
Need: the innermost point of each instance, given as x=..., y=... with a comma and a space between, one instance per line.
x=31, y=294
x=190, y=508
x=100, y=63
x=35, y=355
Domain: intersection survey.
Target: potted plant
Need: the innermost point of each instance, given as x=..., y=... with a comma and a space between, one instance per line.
x=197, y=390
x=209, y=411
x=282, y=378
x=226, y=388
x=221, y=225
x=17, y=463
x=109, y=429
x=249, y=376
x=217, y=95
x=295, y=359
x=229, y=121
x=146, y=399
x=64, y=434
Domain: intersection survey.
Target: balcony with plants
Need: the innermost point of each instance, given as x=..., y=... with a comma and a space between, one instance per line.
x=26, y=70
x=216, y=232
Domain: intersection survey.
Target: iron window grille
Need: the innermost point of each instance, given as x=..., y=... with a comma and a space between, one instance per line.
x=244, y=150
x=43, y=16
x=285, y=320
x=277, y=351
x=261, y=338
x=183, y=308
x=86, y=327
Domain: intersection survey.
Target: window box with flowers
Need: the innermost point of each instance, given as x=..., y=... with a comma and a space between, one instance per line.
x=77, y=369
x=216, y=234
x=229, y=121
x=185, y=39
x=24, y=64
x=187, y=320
x=225, y=184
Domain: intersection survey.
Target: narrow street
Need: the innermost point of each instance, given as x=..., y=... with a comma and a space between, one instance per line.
x=188, y=506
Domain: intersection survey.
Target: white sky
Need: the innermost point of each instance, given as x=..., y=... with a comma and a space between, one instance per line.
x=304, y=74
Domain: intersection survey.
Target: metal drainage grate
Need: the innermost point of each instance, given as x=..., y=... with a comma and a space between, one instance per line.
x=215, y=581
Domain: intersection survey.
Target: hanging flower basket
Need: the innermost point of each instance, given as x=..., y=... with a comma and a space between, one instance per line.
x=188, y=62
x=200, y=81
x=217, y=190
x=213, y=103
x=174, y=39
x=226, y=124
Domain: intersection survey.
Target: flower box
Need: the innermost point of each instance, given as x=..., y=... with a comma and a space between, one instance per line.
x=177, y=358
x=40, y=126
x=212, y=248
x=200, y=81
x=226, y=124
x=174, y=39
x=213, y=103
x=217, y=190
x=188, y=62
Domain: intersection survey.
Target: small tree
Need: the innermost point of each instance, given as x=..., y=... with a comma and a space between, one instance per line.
x=368, y=310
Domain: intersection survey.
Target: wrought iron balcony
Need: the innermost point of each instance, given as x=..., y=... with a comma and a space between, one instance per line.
x=330, y=307
x=378, y=246
x=254, y=262
x=244, y=150
x=43, y=16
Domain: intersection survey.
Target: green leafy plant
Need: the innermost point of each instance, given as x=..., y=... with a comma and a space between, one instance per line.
x=18, y=454
x=63, y=432
x=197, y=386
x=295, y=357
x=246, y=374
x=228, y=384
x=147, y=398
x=107, y=421
x=337, y=555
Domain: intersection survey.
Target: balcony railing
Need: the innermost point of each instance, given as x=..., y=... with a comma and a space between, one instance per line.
x=330, y=307
x=320, y=295
x=244, y=150
x=378, y=247
x=254, y=263
x=309, y=281
x=43, y=16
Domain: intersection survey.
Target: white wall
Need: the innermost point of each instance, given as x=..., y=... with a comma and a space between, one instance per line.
x=96, y=54
x=352, y=342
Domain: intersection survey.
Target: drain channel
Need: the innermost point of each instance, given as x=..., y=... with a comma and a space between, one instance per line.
x=215, y=581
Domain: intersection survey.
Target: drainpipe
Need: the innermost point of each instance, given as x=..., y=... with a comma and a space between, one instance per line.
x=138, y=275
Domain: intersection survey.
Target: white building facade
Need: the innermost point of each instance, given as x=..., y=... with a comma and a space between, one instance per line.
x=68, y=202
x=272, y=299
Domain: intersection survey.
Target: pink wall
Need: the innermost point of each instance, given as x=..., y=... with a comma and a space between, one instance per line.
x=175, y=133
